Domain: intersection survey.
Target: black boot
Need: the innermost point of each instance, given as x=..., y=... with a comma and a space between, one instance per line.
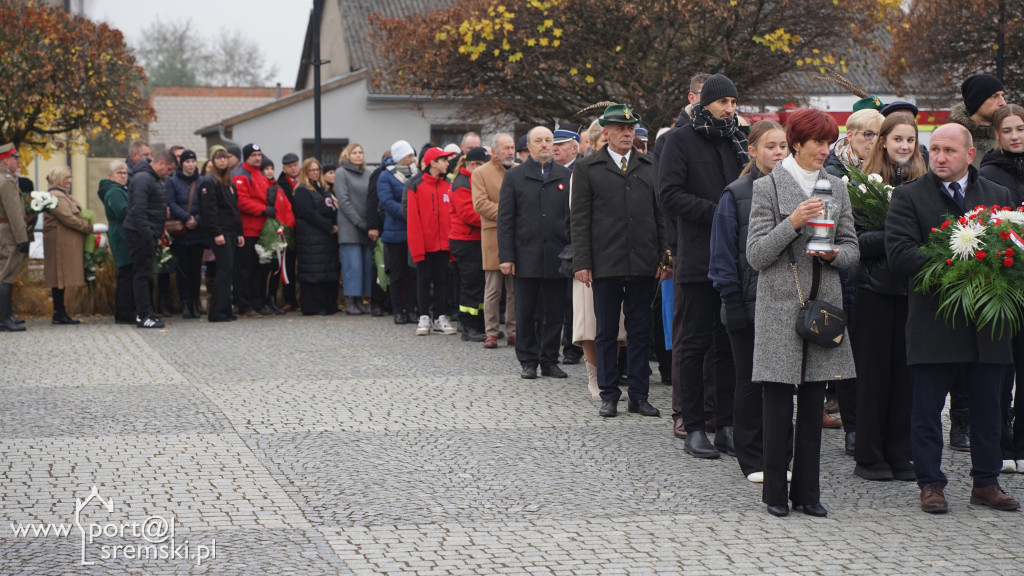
x=7, y=323
x=473, y=328
x=186, y=309
x=351, y=308
x=60, y=314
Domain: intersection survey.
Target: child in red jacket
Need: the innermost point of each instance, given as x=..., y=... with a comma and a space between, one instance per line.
x=427, y=225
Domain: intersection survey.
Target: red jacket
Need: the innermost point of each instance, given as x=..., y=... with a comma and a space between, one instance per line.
x=465, y=221
x=252, y=186
x=428, y=215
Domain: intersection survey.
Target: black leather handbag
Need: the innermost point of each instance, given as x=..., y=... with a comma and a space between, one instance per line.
x=818, y=321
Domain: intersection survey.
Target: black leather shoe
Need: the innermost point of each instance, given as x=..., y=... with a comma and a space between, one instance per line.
x=698, y=445
x=779, y=511
x=642, y=407
x=529, y=372
x=815, y=509
x=63, y=319
x=903, y=470
x=609, y=409
x=375, y=311
x=960, y=437
x=400, y=318
x=724, y=440
x=876, y=471
x=570, y=358
x=411, y=318
x=851, y=443
x=17, y=320
x=553, y=371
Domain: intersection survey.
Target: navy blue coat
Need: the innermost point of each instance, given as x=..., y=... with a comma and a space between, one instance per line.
x=389, y=192
x=177, y=189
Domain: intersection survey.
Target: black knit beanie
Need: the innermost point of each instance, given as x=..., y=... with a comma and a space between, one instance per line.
x=716, y=87
x=976, y=89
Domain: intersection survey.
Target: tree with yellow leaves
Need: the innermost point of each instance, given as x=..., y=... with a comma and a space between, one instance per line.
x=62, y=73
x=538, y=60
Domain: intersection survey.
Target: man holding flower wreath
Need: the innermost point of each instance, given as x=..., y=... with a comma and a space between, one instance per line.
x=939, y=352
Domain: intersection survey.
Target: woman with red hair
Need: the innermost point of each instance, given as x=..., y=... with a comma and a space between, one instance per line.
x=784, y=362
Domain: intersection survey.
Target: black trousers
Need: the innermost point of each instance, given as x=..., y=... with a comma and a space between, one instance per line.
x=470, y=261
x=401, y=277
x=319, y=298
x=884, y=390
x=1011, y=406
x=806, y=444
x=188, y=269
x=931, y=383
x=246, y=272
x=540, y=307
x=697, y=328
x=142, y=249
x=432, y=273
x=219, y=306
x=632, y=295
x=124, y=295
x=748, y=433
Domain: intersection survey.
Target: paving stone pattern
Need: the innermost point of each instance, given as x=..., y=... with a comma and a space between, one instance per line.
x=341, y=445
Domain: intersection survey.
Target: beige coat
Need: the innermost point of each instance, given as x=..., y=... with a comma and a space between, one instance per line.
x=64, y=234
x=12, y=227
x=486, y=183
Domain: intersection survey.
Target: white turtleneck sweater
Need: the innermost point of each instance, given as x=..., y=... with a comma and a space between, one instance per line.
x=805, y=178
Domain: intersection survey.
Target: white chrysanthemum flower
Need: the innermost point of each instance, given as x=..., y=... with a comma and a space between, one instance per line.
x=50, y=202
x=966, y=240
x=36, y=204
x=846, y=178
x=863, y=188
x=1011, y=216
x=37, y=194
x=874, y=178
x=264, y=254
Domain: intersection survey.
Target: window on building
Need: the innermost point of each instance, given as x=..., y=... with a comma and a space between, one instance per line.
x=443, y=134
x=330, y=149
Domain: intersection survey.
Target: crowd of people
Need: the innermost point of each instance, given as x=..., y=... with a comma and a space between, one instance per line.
x=567, y=237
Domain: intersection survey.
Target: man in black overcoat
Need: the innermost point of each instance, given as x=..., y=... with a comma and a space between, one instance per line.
x=937, y=352
x=532, y=209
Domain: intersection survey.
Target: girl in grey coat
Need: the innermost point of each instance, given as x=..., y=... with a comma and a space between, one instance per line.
x=351, y=186
x=778, y=350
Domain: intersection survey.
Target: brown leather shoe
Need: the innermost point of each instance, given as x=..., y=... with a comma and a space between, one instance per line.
x=827, y=421
x=491, y=342
x=993, y=497
x=679, y=428
x=933, y=500
x=511, y=340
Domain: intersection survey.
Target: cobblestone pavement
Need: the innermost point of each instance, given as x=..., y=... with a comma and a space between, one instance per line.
x=345, y=445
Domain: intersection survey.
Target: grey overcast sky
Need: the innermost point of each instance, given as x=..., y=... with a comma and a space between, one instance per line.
x=278, y=25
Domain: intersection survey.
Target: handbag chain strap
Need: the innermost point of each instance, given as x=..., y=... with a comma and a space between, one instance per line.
x=789, y=247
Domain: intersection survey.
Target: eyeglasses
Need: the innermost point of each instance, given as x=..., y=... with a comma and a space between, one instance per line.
x=869, y=134
x=313, y=170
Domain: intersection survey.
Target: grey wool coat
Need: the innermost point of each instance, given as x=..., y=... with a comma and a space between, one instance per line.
x=351, y=186
x=777, y=347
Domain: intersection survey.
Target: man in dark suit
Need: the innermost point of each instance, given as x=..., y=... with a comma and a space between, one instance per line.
x=532, y=209
x=618, y=238
x=937, y=352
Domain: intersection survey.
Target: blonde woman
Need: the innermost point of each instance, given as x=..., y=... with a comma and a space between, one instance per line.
x=862, y=129
x=316, y=230
x=351, y=186
x=64, y=232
